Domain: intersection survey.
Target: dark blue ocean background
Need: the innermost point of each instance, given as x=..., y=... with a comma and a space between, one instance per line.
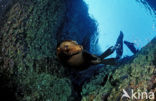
x=136, y=18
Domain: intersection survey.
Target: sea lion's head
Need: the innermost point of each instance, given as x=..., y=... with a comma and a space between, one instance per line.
x=69, y=48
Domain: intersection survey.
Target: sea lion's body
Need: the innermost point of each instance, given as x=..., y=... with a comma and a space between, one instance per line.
x=75, y=60
x=83, y=60
x=72, y=55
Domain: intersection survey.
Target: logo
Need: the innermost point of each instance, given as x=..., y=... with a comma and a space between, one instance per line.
x=125, y=94
x=138, y=95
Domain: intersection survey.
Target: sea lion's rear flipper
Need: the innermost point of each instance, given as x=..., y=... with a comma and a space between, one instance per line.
x=108, y=52
x=131, y=47
x=109, y=61
x=119, y=46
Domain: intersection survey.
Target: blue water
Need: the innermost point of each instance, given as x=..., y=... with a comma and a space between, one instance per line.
x=135, y=19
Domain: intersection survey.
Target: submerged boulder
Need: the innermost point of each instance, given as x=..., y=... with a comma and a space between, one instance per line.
x=29, y=34
x=137, y=74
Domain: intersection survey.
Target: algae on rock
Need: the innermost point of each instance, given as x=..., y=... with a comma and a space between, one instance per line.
x=28, y=39
x=28, y=50
x=44, y=87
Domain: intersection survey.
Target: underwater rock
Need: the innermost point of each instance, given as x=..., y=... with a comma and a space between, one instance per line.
x=31, y=27
x=4, y=6
x=43, y=87
x=138, y=73
x=28, y=37
x=152, y=3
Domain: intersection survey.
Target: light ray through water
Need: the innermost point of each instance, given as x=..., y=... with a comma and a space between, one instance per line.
x=129, y=16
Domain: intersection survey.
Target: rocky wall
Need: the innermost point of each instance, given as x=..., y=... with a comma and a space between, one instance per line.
x=138, y=74
x=28, y=38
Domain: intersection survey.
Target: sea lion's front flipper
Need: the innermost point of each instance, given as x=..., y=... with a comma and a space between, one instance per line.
x=108, y=52
x=119, y=46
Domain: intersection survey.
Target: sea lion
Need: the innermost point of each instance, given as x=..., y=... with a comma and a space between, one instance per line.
x=72, y=55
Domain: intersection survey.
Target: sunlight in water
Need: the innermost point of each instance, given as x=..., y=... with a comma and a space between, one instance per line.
x=129, y=16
